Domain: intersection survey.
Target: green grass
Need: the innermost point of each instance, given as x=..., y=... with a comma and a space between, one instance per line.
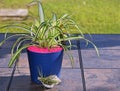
x=94, y=16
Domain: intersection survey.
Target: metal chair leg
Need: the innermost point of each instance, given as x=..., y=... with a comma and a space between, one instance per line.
x=81, y=65
x=12, y=75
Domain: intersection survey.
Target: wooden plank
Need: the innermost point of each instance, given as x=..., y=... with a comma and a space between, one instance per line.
x=5, y=72
x=13, y=12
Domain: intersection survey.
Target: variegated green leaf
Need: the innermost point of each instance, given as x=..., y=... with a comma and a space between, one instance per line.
x=41, y=12
x=16, y=54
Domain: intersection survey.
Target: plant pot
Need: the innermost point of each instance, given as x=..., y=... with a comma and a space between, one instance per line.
x=44, y=62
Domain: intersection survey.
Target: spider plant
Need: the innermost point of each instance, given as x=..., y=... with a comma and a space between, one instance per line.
x=44, y=33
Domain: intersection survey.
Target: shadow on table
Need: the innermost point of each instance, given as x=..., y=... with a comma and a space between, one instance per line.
x=23, y=83
x=19, y=83
x=102, y=40
x=4, y=82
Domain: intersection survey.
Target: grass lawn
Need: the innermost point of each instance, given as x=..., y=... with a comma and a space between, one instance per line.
x=94, y=16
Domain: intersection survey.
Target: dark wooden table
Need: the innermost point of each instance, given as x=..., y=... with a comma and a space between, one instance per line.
x=101, y=73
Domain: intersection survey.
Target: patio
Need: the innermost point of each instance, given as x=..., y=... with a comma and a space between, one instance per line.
x=101, y=73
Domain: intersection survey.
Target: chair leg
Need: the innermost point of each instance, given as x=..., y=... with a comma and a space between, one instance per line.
x=11, y=77
x=81, y=65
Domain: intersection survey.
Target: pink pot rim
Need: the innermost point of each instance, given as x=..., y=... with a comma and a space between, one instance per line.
x=44, y=50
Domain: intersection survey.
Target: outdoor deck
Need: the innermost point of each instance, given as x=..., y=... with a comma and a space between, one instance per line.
x=101, y=73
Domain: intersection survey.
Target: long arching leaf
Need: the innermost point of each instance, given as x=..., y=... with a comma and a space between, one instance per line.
x=2, y=42
x=41, y=12
x=18, y=27
x=14, y=57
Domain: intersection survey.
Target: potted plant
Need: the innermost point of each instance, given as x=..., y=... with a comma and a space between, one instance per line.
x=45, y=43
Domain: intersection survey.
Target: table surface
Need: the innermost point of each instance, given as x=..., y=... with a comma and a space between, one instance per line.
x=101, y=73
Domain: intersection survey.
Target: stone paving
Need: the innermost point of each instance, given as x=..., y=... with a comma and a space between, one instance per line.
x=101, y=73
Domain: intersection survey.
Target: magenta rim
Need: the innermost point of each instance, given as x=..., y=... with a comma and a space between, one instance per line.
x=37, y=49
